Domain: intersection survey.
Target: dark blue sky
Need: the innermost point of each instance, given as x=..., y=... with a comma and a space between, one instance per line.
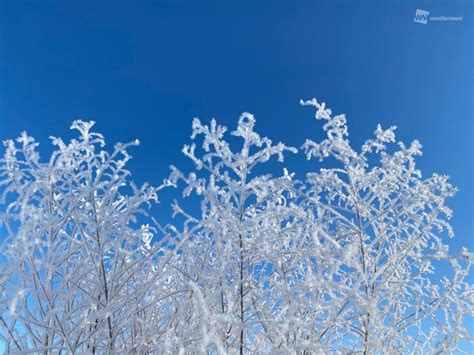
x=143, y=69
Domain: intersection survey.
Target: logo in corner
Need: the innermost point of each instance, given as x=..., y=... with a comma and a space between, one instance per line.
x=421, y=16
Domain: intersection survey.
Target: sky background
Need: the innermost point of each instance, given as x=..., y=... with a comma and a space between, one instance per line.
x=144, y=69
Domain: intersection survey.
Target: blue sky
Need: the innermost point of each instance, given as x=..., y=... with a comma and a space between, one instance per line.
x=144, y=69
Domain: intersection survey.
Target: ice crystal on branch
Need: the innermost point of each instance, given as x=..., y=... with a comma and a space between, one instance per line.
x=351, y=258
x=79, y=270
x=389, y=222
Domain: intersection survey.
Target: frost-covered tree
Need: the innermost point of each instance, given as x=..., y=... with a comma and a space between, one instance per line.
x=349, y=259
x=239, y=234
x=79, y=273
x=388, y=222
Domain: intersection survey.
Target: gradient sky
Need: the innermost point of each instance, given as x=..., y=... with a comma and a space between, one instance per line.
x=143, y=69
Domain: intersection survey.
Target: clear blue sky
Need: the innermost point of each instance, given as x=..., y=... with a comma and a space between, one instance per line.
x=143, y=69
